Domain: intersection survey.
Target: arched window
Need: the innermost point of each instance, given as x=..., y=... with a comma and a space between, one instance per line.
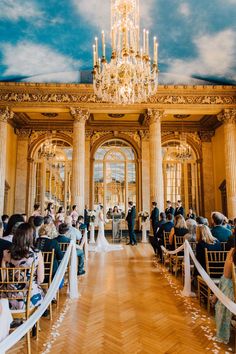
x=114, y=175
x=180, y=176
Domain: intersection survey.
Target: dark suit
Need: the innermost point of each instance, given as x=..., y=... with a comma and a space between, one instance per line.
x=86, y=218
x=191, y=216
x=170, y=210
x=130, y=218
x=155, y=218
x=179, y=211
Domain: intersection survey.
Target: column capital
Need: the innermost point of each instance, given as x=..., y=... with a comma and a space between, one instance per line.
x=5, y=114
x=227, y=116
x=206, y=135
x=79, y=114
x=154, y=115
x=23, y=133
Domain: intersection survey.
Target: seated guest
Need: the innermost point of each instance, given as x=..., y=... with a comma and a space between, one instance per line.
x=5, y=219
x=73, y=233
x=61, y=238
x=166, y=227
x=222, y=314
x=191, y=235
x=179, y=210
x=11, y=223
x=38, y=222
x=219, y=231
x=46, y=244
x=74, y=214
x=179, y=229
x=48, y=220
x=205, y=240
x=226, y=224
x=23, y=254
x=202, y=221
x=4, y=244
x=162, y=220
x=37, y=210
x=191, y=214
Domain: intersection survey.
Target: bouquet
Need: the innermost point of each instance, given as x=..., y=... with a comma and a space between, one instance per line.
x=92, y=215
x=143, y=215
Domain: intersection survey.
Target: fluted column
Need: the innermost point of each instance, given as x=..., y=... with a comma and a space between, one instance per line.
x=78, y=162
x=228, y=117
x=5, y=114
x=21, y=170
x=156, y=173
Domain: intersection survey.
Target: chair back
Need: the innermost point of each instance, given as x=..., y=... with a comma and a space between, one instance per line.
x=215, y=261
x=48, y=259
x=193, y=245
x=223, y=246
x=63, y=246
x=166, y=240
x=16, y=285
x=178, y=241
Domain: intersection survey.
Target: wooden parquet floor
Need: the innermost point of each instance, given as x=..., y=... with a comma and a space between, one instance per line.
x=128, y=307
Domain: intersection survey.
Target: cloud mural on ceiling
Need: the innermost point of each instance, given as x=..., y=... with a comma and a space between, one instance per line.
x=51, y=41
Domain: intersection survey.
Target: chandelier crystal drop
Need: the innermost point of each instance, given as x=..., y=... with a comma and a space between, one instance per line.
x=130, y=76
x=48, y=150
x=183, y=149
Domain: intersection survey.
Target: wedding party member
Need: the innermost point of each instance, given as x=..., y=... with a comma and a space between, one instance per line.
x=179, y=229
x=219, y=231
x=191, y=214
x=116, y=218
x=23, y=254
x=61, y=238
x=74, y=214
x=86, y=217
x=37, y=210
x=154, y=217
x=15, y=218
x=191, y=235
x=179, y=210
x=60, y=216
x=205, y=240
x=73, y=233
x=169, y=209
x=130, y=218
x=50, y=211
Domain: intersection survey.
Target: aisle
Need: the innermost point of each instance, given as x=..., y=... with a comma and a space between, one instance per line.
x=127, y=306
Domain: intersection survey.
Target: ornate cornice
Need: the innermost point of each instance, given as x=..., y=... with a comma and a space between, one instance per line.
x=5, y=114
x=206, y=136
x=79, y=115
x=227, y=116
x=154, y=115
x=23, y=133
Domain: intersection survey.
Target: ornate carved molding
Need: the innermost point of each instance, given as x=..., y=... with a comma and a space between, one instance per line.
x=79, y=114
x=227, y=116
x=99, y=134
x=193, y=99
x=5, y=114
x=144, y=134
x=154, y=115
x=133, y=135
x=206, y=136
x=23, y=133
x=88, y=134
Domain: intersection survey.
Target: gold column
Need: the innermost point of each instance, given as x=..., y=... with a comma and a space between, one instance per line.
x=5, y=114
x=156, y=173
x=78, y=162
x=228, y=118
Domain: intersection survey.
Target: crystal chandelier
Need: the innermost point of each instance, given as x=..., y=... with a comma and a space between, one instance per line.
x=183, y=149
x=130, y=76
x=48, y=149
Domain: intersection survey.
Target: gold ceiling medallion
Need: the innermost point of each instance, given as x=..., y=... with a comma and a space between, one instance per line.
x=130, y=76
x=116, y=115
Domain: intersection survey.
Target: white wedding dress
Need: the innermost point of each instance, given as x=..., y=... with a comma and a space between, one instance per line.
x=102, y=245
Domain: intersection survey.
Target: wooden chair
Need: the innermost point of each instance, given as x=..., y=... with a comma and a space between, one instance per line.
x=63, y=246
x=10, y=279
x=177, y=259
x=166, y=257
x=48, y=258
x=223, y=246
x=215, y=261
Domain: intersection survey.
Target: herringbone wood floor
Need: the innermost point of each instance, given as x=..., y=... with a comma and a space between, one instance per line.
x=127, y=306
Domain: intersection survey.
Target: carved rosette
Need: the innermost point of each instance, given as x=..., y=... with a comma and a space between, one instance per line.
x=227, y=116
x=79, y=114
x=23, y=133
x=206, y=136
x=5, y=114
x=154, y=115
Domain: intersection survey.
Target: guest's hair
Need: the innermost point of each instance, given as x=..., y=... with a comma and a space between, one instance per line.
x=38, y=221
x=60, y=210
x=31, y=220
x=22, y=241
x=154, y=203
x=47, y=220
x=44, y=230
x=179, y=201
x=101, y=206
x=80, y=217
x=180, y=223
x=201, y=220
x=203, y=233
x=74, y=207
x=36, y=206
x=218, y=218
x=49, y=206
x=115, y=208
x=63, y=229
x=4, y=217
x=169, y=217
x=15, y=227
x=12, y=221
x=191, y=226
x=130, y=202
x=168, y=202
x=162, y=215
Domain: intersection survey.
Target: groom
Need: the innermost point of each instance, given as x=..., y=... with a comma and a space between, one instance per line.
x=130, y=218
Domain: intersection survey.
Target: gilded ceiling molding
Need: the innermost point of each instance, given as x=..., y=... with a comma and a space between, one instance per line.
x=99, y=134
x=5, y=114
x=79, y=114
x=23, y=133
x=144, y=134
x=206, y=136
x=227, y=116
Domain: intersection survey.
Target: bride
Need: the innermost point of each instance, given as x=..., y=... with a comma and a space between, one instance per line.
x=102, y=245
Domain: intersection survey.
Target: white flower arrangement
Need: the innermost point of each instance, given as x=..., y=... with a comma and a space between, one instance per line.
x=92, y=215
x=144, y=215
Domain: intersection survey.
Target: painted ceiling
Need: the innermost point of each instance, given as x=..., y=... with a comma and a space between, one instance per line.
x=51, y=41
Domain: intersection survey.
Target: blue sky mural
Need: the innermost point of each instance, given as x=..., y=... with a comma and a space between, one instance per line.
x=51, y=41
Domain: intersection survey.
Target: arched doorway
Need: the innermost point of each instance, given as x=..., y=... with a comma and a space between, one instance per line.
x=115, y=175
x=180, y=176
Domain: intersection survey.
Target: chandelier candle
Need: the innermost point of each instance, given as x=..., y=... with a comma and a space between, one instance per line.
x=130, y=76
